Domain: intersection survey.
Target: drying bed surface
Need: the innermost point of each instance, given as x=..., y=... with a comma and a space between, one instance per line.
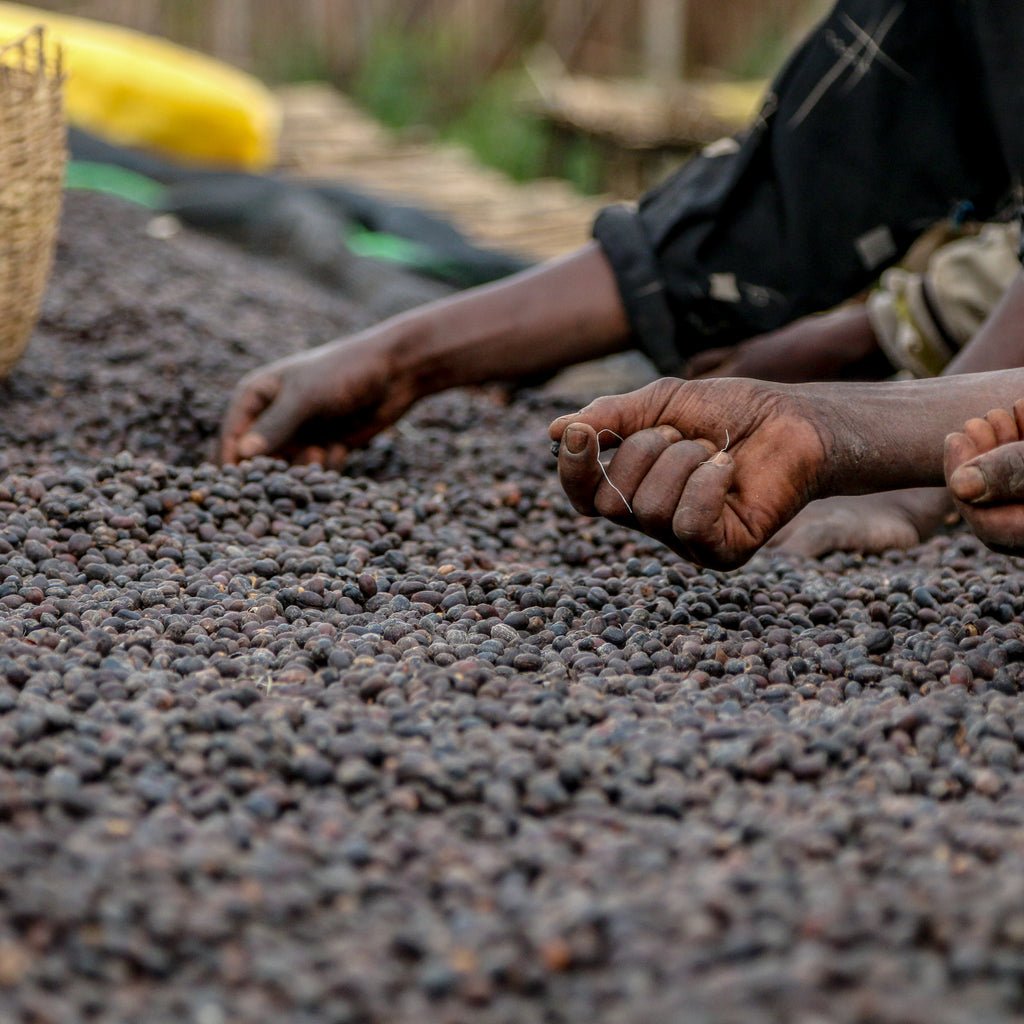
x=416, y=742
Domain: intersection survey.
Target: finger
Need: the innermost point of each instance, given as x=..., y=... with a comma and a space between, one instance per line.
x=622, y=414
x=247, y=403
x=1018, y=415
x=328, y=454
x=251, y=445
x=980, y=431
x=578, y=469
x=656, y=498
x=311, y=455
x=227, y=450
x=994, y=477
x=636, y=455
x=1003, y=425
x=558, y=427
x=337, y=453
x=964, y=483
x=698, y=519
x=275, y=427
x=822, y=527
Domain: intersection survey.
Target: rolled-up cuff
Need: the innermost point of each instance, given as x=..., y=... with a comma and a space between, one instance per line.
x=621, y=235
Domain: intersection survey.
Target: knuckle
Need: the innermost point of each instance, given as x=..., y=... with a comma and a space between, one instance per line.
x=690, y=523
x=644, y=444
x=652, y=513
x=1015, y=474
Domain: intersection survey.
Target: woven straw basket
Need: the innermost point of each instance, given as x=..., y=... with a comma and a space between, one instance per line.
x=32, y=160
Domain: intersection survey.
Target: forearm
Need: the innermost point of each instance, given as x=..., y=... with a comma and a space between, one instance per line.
x=999, y=344
x=552, y=316
x=890, y=436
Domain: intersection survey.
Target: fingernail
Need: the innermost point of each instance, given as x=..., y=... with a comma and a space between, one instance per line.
x=720, y=459
x=969, y=483
x=251, y=445
x=575, y=439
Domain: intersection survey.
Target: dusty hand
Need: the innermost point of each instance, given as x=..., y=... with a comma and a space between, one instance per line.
x=984, y=466
x=315, y=406
x=670, y=477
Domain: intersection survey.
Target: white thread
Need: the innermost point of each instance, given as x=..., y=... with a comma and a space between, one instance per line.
x=607, y=430
x=721, y=451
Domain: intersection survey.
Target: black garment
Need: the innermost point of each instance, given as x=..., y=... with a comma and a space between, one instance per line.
x=890, y=116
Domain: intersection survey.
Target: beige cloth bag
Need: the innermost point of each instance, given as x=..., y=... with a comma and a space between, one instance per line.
x=923, y=320
x=33, y=155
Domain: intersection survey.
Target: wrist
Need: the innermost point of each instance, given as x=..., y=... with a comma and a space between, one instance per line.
x=426, y=354
x=536, y=321
x=890, y=436
x=876, y=439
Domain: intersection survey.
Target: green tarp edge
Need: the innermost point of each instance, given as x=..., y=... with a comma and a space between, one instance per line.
x=136, y=188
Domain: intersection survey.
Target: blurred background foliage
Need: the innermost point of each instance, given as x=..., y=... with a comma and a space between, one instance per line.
x=461, y=69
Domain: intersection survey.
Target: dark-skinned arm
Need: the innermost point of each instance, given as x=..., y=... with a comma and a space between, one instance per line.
x=318, y=405
x=713, y=468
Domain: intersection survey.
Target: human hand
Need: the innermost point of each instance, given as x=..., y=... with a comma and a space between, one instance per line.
x=316, y=406
x=710, y=468
x=984, y=466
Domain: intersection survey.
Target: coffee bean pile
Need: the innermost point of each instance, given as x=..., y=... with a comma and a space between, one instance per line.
x=416, y=743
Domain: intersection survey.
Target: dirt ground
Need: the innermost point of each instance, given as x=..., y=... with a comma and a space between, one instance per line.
x=414, y=742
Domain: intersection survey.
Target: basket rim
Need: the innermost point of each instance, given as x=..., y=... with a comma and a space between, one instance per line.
x=32, y=55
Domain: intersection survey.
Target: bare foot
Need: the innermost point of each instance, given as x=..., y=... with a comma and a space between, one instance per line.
x=984, y=466
x=868, y=523
x=711, y=468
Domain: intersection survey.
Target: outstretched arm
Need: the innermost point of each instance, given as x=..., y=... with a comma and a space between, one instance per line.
x=714, y=467
x=906, y=517
x=318, y=405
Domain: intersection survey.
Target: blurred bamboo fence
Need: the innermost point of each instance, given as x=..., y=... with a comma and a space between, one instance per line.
x=325, y=135
x=591, y=37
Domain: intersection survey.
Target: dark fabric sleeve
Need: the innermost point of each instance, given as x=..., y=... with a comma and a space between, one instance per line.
x=880, y=125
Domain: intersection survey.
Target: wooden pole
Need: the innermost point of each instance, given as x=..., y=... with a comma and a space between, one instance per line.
x=232, y=31
x=664, y=39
